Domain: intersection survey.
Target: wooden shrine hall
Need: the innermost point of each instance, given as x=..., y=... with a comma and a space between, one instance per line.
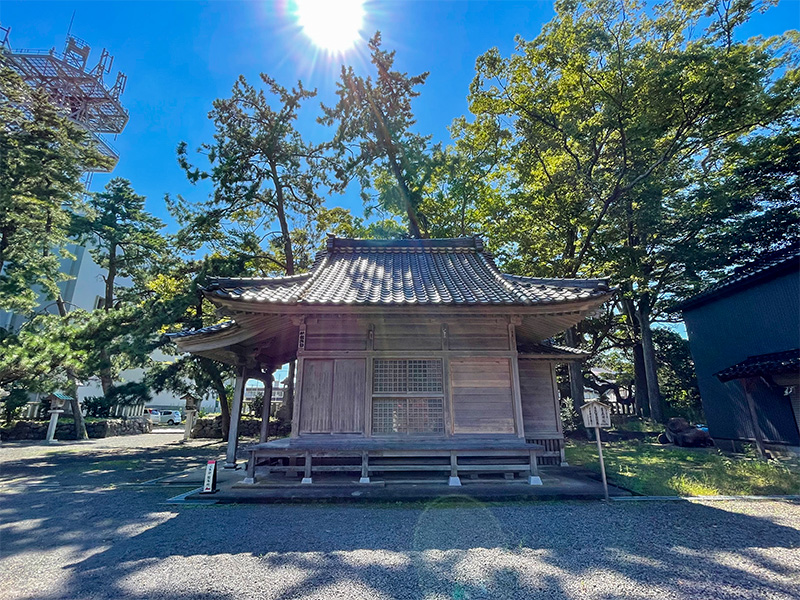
x=412, y=355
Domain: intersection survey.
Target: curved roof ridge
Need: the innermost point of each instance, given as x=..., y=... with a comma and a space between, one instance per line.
x=492, y=267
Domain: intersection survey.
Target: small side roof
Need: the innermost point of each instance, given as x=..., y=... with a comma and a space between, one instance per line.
x=775, y=363
x=763, y=267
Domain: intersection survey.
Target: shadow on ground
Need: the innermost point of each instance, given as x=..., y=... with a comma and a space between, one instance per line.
x=125, y=543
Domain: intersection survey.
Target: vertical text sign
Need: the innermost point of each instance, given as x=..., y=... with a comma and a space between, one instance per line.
x=210, y=482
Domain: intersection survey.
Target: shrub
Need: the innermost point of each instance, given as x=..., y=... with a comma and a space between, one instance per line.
x=13, y=403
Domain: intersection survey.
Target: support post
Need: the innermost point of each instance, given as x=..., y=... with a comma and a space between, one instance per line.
x=51, y=428
x=533, y=476
x=454, y=480
x=266, y=408
x=602, y=464
x=751, y=406
x=364, y=467
x=236, y=415
x=307, y=473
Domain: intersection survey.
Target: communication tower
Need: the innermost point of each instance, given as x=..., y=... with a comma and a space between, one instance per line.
x=74, y=87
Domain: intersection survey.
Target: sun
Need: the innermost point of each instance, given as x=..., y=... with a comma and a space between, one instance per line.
x=332, y=25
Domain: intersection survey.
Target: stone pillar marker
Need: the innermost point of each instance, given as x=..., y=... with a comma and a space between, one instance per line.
x=56, y=408
x=190, y=417
x=51, y=428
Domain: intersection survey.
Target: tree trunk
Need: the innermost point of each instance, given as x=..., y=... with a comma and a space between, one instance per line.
x=640, y=382
x=639, y=378
x=77, y=414
x=575, y=372
x=650, y=367
x=225, y=410
x=106, y=380
x=280, y=210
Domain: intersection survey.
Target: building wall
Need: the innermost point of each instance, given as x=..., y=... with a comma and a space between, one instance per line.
x=762, y=319
x=540, y=410
x=476, y=359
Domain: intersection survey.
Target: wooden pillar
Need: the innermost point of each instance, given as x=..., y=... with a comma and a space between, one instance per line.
x=307, y=471
x=747, y=384
x=364, y=467
x=454, y=479
x=236, y=415
x=533, y=475
x=266, y=405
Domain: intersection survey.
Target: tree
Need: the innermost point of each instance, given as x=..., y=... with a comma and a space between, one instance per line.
x=123, y=239
x=616, y=114
x=374, y=141
x=42, y=157
x=261, y=169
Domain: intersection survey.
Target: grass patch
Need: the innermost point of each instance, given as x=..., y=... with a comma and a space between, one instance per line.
x=648, y=468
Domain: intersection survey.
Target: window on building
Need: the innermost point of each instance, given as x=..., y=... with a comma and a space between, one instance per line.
x=407, y=397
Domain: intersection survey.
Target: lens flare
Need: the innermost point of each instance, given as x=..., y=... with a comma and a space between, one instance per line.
x=332, y=25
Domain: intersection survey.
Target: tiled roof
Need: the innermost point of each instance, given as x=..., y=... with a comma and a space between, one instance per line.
x=210, y=329
x=766, y=265
x=776, y=363
x=406, y=272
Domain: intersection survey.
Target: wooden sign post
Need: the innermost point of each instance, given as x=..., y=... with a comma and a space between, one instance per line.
x=597, y=414
x=210, y=482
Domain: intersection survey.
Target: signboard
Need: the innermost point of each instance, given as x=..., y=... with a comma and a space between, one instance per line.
x=210, y=482
x=596, y=414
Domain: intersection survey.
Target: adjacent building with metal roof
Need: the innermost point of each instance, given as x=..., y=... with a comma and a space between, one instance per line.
x=744, y=333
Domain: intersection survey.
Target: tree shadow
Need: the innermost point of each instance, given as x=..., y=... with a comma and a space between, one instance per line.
x=124, y=543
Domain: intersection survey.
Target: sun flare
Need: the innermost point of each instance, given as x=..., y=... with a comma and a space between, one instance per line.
x=332, y=25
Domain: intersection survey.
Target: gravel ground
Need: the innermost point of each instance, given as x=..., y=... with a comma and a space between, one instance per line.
x=94, y=538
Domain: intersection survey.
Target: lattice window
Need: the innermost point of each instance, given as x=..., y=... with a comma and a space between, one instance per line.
x=408, y=397
x=404, y=376
x=407, y=416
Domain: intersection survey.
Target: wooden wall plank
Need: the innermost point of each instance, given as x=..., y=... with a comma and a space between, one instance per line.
x=478, y=334
x=540, y=411
x=482, y=395
x=349, y=387
x=315, y=412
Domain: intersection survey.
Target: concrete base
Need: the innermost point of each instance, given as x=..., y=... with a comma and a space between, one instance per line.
x=364, y=480
x=535, y=480
x=232, y=466
x=248, y=480
x=306, y=481
x=454, y=481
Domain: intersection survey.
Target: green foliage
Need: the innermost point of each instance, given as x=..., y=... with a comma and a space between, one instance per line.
x=570, y=418
x=677, y=376
x=42, y=157
x=652, y=469
x=39, y=355
x=374, y=141
x=126, y=394
x=13, y=403
x=262, y=171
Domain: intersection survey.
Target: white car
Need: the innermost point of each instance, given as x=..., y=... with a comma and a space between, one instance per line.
x=170, y=417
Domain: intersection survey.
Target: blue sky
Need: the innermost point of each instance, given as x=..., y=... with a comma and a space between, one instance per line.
x=180, y=56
